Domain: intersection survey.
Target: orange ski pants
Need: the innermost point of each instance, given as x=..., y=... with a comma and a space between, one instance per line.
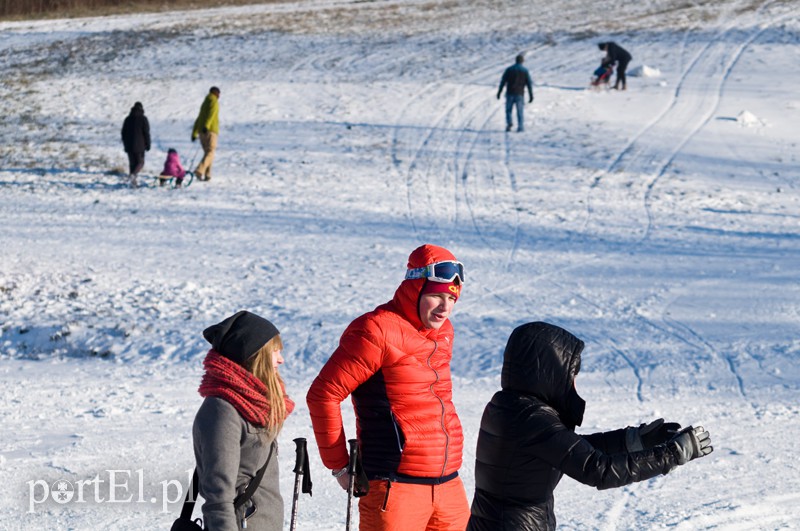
x=409, y=507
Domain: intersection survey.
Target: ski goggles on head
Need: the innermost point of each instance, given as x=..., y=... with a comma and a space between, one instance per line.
x=439, y=272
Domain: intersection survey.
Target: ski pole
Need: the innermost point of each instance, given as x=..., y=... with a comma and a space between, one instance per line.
x=301, y=458
x=351, y=469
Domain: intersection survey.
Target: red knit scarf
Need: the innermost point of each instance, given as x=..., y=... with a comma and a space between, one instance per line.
x=236, y=385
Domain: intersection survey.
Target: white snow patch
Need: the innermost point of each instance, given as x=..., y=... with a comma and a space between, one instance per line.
x=644, y=71
x=748, y=119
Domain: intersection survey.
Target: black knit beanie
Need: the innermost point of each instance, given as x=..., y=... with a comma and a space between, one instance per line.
x=240, y=336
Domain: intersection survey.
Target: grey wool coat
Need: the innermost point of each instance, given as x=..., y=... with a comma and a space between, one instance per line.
x=229, y=451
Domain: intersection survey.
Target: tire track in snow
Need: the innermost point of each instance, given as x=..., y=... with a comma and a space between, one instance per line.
x=472, y=179
x=707, y=118
x=702, y=62
x=614, y=514
x=697, y=339
x=670, y=329
x=463, y=175
x=434, y=130
x=506, y=159
x=618, y=185
x=397, y=161
x=461, y=132
x=464, y=169
x=613, y=345
x=512, y=177
x=620, y=514
x=422, y=161
x=502, y=155
x=633, y=151
x=700, y=341
x=508, y=171
x=421, y=167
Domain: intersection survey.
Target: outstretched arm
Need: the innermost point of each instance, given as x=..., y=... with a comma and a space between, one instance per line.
x=632, y=439
x=609, y=442
x=579, y=459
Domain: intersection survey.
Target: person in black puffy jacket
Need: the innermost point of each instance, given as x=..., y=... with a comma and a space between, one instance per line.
x=527, y=439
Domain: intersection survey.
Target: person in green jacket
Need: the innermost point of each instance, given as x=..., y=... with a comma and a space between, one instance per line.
x=206, y=127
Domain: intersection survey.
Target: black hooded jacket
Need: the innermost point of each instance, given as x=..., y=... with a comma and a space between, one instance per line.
x=527, y=439
x=615, y=53
x=136, y=131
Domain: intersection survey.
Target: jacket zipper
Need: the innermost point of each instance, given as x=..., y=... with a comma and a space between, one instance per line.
x=386, y=496
x=441, y=402
x=396, y=433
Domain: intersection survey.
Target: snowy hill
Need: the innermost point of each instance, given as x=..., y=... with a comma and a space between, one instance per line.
x=657, y=224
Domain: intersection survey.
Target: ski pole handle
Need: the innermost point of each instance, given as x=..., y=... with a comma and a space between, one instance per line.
x=351, y=469
x=299, y=468
x=300, y=455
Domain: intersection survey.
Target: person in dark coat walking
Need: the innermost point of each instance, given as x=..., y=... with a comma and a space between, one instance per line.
x=136, y=139
x=515, y=79
x=527, y=438
x=619, y=55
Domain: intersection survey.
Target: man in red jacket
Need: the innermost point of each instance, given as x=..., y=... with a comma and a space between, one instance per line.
x=395, y=364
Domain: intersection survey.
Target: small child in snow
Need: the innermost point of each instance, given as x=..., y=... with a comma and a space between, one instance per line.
x=172, y=169
x=603, y=74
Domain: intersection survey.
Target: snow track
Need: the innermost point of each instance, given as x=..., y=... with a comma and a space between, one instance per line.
x=695, y=101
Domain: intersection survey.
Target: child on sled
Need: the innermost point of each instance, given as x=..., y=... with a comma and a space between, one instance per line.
x=172, y=170
x=603, y=74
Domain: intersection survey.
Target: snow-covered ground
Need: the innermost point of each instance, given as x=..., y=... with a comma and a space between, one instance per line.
x=660, y=224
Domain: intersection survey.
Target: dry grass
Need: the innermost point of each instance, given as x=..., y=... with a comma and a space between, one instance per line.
x=15, y=10
x=407, y=18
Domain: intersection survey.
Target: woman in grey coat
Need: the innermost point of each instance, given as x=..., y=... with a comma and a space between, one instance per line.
x=236, y=428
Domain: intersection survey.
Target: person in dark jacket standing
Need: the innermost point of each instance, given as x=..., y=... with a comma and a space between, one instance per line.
x=619, y=55
x=236, y=427
x=136, y=139
x=527, y=438
x=515, y=79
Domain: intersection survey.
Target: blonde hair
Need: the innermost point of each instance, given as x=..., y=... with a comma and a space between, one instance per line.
x=260, y=364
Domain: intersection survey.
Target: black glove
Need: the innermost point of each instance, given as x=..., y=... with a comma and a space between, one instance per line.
x=690, y=443
x=204, y=130
x=530, y=100
x=652, y=434
x=194, y=138
x=498, y=95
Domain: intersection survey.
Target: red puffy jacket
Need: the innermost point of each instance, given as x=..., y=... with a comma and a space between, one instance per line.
x=398, y=374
